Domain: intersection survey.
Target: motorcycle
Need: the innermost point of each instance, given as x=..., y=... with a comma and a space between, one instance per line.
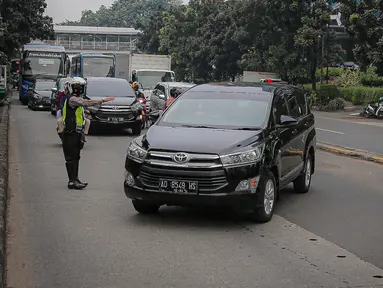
x=373, y=109
x=144, y=109
x=154, y=115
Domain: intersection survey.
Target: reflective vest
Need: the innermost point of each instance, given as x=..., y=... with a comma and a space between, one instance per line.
x=73, y=119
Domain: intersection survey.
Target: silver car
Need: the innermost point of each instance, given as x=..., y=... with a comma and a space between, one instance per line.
x=161, y=93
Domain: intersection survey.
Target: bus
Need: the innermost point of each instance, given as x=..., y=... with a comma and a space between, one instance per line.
x=40, y=61
x=93, y=65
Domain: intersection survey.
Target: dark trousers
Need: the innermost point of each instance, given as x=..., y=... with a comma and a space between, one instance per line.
x=72, y=146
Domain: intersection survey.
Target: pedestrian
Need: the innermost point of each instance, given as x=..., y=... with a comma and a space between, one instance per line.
x=74, y=121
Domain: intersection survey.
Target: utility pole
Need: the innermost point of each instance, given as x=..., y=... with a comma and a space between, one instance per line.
x=322, y=59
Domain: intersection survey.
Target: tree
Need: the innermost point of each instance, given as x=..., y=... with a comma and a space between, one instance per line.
x=24, y=21
x=364, y=23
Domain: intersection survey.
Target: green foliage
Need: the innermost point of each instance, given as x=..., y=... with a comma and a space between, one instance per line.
x=332, y=72
x=364, y=25
x=348, y=79
x=360, y=95
x=24, y=21
x=326, y=93
x=371, y=78
x=335, y=104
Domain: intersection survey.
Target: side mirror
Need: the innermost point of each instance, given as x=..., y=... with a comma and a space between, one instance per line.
x=162, y=96
x=54, y=90
x=287, y=122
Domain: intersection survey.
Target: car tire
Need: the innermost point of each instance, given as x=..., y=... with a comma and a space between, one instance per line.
x=53, y=112
x=136, y=130
x=269, y=191
x=303, y=182
x=145, y=207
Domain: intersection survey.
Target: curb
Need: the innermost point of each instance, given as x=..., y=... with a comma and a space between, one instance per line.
x=4, y=125
x=350, y=152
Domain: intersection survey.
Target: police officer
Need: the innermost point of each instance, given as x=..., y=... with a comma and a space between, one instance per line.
x=73, y=121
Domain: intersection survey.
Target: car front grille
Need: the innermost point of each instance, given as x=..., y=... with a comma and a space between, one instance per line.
x=206, y=169
x=106, y=112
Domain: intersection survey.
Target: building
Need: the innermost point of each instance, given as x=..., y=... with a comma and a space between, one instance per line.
x=83, y=39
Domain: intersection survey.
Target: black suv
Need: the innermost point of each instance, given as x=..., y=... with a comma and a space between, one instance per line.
x=231, y=144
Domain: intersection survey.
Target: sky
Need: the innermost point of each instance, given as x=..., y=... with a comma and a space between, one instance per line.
x=71, y=9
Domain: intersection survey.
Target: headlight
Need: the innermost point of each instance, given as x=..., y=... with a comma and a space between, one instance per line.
x=136, y=153
x=243, y=158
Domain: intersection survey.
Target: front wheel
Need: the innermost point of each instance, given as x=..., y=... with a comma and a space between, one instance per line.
x=303, y=182
x=269, y=191
x=136, y=130
x=145, y=207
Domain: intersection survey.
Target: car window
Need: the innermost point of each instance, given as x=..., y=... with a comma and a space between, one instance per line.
x=279, y=109
x=294, y=109
x=109, y=89
x=220, y=112
x=301, y=100
x=161, y=89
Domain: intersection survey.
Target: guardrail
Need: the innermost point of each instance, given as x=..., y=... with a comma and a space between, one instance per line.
x=96, y=45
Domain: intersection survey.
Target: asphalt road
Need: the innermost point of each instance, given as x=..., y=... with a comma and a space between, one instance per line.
x=350, y=131
x=94, y=238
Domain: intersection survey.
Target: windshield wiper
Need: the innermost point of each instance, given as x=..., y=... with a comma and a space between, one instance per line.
x=199, y=126
x=247, y=129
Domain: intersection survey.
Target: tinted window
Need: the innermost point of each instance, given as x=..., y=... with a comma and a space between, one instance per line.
x=220, y=112
x=279, y=109
x=294, y=108
x=109, y=89
x=301, y=99
x=161, y=89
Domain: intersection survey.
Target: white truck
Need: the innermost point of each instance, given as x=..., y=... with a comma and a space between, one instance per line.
x=146, y=69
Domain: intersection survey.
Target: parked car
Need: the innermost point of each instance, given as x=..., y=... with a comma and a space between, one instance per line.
x=161, y=93
x=39, y=98
x=230, y=144
x=55, y=92
x=124, y=112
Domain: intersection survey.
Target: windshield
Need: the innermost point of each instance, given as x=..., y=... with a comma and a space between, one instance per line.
x=43, y=66
x=44, y=86
x=109, y=89
x=149, y=79
x=219, y=112
x=98, y=67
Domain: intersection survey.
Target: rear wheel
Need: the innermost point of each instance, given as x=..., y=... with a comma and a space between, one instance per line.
x=145, y=207
x=303, y=182
x=269, y=190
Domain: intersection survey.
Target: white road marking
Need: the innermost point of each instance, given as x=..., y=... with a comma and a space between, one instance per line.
x=354, y=114
x=332, y=131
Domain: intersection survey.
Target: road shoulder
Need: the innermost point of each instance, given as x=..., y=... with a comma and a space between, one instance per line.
x=4, y=128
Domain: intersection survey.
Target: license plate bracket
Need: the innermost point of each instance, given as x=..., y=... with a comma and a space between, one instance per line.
x=178, y=186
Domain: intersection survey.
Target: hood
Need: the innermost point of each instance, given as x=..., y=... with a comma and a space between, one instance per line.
x=43, y=93
x=118, y=101
x=198, y=140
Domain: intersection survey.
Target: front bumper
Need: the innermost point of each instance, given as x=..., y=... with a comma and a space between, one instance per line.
x=42, y=103
x=217, y=187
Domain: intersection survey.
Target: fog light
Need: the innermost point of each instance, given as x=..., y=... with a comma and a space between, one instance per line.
x=129, y=179
x=248, y=185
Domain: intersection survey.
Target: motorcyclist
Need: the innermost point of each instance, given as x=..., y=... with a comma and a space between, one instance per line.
x=174, y=93
x=73, y=120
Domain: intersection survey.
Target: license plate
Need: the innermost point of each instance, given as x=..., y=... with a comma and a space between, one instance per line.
x=113, y=120
x=178, y=186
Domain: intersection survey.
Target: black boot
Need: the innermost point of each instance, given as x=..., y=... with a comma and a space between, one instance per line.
x=77, y=163
x=71, y=168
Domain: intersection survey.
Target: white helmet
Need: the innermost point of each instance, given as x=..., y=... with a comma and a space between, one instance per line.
x=77, y=82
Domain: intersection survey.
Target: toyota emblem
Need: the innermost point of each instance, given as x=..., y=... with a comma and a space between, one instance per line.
x=115, y=107
x=181, y=158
